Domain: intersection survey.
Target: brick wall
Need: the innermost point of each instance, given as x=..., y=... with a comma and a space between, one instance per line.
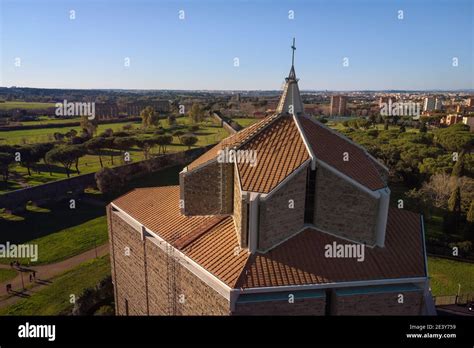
x=128, y=270
x=307, y=306
x=142, y=278
x=240, y=213
x=343, y=209
x=380, y=304
x=277, y=220
x=201, y=189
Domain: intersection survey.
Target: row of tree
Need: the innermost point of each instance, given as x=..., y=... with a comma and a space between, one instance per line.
x=68, y=154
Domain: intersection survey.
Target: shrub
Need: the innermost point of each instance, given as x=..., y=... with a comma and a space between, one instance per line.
x=109, y=182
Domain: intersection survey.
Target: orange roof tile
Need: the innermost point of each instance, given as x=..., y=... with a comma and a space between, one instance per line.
x=301, y=260
x=157, y=208
x=279, y=151
x=330, y=148
x=212, y=243
x=218, y=252
x=229, y=142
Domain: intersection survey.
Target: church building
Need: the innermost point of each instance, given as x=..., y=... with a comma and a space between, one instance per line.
x=295, y=219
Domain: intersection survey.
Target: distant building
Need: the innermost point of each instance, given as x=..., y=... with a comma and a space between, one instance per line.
x=338, y=105
x=105, y=111
x=438, y=104
x=429, y=104
x=469, y=121
x=451, y=119
x=470, y=102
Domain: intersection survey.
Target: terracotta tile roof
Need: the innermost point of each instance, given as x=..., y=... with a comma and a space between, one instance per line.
x=218, y=252
x=279, y=150
x=212, y=242
x=229, y=142
x=157, y=208
x=301, y=260
x=330, y=147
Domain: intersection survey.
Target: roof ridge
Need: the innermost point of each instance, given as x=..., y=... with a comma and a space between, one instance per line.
x=305, y=140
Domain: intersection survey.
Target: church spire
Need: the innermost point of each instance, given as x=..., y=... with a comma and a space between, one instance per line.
x=292, y=74
x=290, y=101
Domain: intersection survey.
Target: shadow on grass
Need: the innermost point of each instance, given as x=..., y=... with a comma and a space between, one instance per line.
x=37, y=224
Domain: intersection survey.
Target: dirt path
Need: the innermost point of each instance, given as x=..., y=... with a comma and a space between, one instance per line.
x=43, y=274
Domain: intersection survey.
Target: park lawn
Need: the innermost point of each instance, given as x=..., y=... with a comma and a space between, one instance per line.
x=9, y=105
x=207, y=134
x=54, y=299
x=68, y=242
x=7, y=274
x=445, y=275
x=43, y=135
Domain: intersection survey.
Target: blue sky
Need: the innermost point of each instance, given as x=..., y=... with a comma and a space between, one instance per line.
x=198, y=52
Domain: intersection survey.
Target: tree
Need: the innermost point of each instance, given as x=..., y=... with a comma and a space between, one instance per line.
x=28, y=157
x=107, y=133
x=163, y=141
x=179, y=134
x=470, y=213
x=6, y=160
x=108, y=181
x=66, y=155
x=40, y=151
x=454, y=202
x=188, y=140
x=109, y=144
x=456, y=137
x=423, y=128
x=172, y=120
x=123, y=143
x=196, y=113
x=89, y=126
x=469, y=227
x=146, y=145
x=79, y=151
x=458, y=169
x=95, y=146
x=147, y=115
x=58, y=136
x=71, y=133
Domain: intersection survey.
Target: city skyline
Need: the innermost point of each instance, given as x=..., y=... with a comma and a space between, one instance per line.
x=383, y=51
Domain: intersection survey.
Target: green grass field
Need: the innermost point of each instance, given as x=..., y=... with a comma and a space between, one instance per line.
x=42, y=135
x=68, y=242
x=445, y=275
x=6, y=274
x=60, y=232
x=9, y=105
x=54, y=299
x=207, y=134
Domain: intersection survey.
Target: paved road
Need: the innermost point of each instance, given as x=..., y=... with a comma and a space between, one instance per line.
x=43, y=275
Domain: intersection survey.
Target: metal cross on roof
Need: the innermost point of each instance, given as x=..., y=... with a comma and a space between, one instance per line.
x=293, y=47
